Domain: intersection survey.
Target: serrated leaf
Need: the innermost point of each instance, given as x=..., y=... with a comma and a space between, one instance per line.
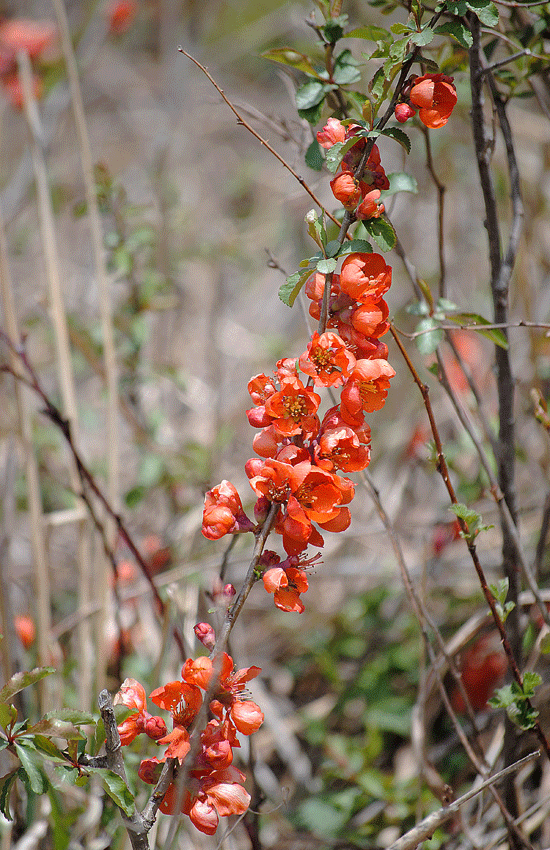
x=400, y=181
x=398, y=135
x=8, y=714
x=326, y=266
x=289, y=56
x=423, y=37
x=288, y=292
x=333, y=30
x=458, y=30
x=382, y=232
x=502, y=698
x=310, y=94
x=465, y=513
x=356, y=246
x=474, y=321
x=376, y=85
x=431, y=335
x=332, y=248
x=29, y=758
x=314, y=158
x=117, y=789
x=486, y=11
x=6, y=784
x=369, y=34
x=531, y=680
x=22, y=680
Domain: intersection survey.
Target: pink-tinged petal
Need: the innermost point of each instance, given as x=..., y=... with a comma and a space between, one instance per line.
x=204, y=816
x=274, y=578
x=131, y=694
x=246, y=716
x=288, y=599
x=229, y=798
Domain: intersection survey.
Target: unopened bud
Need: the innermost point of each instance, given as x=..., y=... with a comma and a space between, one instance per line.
x=403, y=111
x=155, y=727
x=229, y=592
x=311, y=217
x=205, y=633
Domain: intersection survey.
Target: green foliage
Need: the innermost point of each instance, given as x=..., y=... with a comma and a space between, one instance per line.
x=516, y=700
x=473, y=520
x=500, y=592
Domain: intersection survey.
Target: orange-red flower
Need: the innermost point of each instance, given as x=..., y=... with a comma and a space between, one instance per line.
x=327, y=360
x=365, y=276
x=223, y=512
x=25, y=629
x=347, y=190
x=121, y=15
x=181, y=699
x=286, y=583
x=332, y=132
x=339, y=448
x=366, y=389
x=292, y=409
x=370, y=318
x=28, y=35
x=369, y=206
x=132, y=695
x=245, y=714
x=435, y=97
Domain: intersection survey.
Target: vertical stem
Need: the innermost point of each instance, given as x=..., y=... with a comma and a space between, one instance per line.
x=104, y=302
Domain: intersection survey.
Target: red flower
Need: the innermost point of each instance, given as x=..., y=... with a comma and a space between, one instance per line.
x=435, y=96
x=365, y=276
x=366, y=389
x=332, y=132
x=292, y=409
x=340, y=448
x=132, y=695
x=223, y=512
x=121, y=14
x=347, y=190
x=327, y=360
x=370, y=318
x=286, y=583
x=369, y=206
x=25, y=629
x=30, y=36
x=483, y=668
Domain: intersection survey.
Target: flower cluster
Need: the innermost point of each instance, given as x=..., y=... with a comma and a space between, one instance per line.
x=433, y=95
x=356, y=195
x=215, y=787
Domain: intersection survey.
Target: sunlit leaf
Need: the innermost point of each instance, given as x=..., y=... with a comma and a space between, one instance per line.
x=22, y=680
x=291, y=57
x=475, y=322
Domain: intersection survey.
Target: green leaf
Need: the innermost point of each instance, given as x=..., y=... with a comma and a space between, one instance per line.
x=399, y=29
x=333, y=30
x=502, y=698
x=345, y=69
x=49, y=749
x=8, y=714
x=396, y=57
x=117, y=789
x=370, y=34
x=376, y=85
x=474, y=320
x=531, y=681
x=29, y=763
x=400, y=181
x=443, y=305
x=289, y=56
x=313, y=115
x=545, y=644
x=314, y=157
x=310, y=94
x=500, y=591
x=486, y=11
x=6, y=784
x=336, y=152
x=465, y=513
x=423, y=37
x=458, y=30
x=288, y=292
x=431, y=338
x=398, y=135
x=356, y=246
x=332, y=248
x=57, y=728
x=22, y=680
x=382, y=232
x=326, y=266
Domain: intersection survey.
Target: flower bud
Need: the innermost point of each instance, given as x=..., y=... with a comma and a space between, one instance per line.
x=205, y=633
x=155, y=727
x=403, y=111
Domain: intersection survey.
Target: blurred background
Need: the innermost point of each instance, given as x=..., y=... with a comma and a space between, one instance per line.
x=199, y=225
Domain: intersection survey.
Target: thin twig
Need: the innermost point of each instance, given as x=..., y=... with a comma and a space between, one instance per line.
x=427, y=827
